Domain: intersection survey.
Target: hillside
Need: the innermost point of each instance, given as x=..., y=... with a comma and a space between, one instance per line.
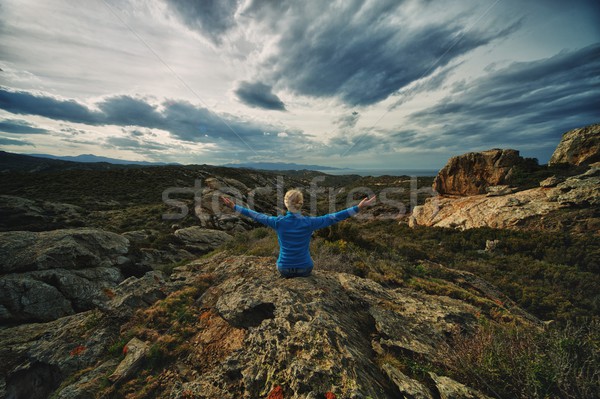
x=101, y=295
x=87, y=158
x=10, y=162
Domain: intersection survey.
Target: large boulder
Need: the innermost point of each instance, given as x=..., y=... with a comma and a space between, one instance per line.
x=200, y=239
x=578, y=147
x=22, y=251
x=47, y=275
x=474, y=172
x=17, y=213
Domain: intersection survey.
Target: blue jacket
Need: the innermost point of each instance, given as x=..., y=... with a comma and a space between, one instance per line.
x=294, y=232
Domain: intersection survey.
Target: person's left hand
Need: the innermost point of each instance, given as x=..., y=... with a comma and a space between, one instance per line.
x=367, y=202
x=228, y=203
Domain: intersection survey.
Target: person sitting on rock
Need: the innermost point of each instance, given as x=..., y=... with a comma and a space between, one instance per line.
x=294, y=230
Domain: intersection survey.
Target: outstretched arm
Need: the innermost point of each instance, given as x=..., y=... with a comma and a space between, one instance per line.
x=259, y=217
x=332, y=218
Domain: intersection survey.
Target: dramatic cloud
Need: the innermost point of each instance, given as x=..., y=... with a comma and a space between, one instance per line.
x=24, y=103
x=127, y=110
x=369, y=83
x=540, y=99
x=183, y=120
x=357, y=53
x=362, y=55
x=211, y=17
x=19, y=126
x=258, y=95
x=427, y=84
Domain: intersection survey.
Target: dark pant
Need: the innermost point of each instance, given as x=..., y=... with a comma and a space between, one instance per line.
x=295, y=271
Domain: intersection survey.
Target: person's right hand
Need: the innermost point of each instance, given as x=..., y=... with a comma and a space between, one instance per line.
x=228, y=203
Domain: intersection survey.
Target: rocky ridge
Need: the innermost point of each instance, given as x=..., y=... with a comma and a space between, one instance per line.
x=50, y=274
x=472, y=190
x=251, y=332
x=36, y=215
x=510, y=210
x=47, y=275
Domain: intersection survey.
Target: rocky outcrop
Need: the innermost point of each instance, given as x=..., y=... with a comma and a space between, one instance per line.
x=313, y=335
x=463, y=181
x=134, y=293
x=22, y=251
x=578, y=147
x=254, y=334
x=18, y=213
x=47, y=353
x=450, y=389
x=199, y=239
x=582, y=190
x=51, y=274
x=474, y=172
x=511, y=210
x=37, y=357
x=135, y=352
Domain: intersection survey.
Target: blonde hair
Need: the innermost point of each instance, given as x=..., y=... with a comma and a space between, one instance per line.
x=293, y=200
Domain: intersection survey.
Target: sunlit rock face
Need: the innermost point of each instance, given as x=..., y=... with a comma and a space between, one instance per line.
x=578, y=147
x=474, y=172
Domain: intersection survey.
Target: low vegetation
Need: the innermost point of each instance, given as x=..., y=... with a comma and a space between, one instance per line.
x=510, y=361
x=169, y=325
x=554, y=276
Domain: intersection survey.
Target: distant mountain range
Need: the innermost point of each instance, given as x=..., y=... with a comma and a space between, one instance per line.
x=38, y=163
x=91, y=158
x=94, y=158
x=279, y=166
x=46, y=162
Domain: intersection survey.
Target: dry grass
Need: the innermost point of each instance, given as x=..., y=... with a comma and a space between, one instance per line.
x=515, y=361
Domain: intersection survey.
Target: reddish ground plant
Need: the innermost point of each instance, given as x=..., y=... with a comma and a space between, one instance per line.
x=276, y=393
x=77, y=351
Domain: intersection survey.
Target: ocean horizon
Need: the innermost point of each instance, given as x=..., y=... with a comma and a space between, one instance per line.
x=382, y=172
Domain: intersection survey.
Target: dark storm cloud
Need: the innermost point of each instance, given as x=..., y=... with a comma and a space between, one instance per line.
x=24, y=103
x=190, y=123
x=182, y=119
x=356, y=51
x=127, y=110
x=552, y=95
x=363, y=54
x=258, y=95
x=7, y=141
x=19, y=126
x=212, y=18
x=526, y=105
